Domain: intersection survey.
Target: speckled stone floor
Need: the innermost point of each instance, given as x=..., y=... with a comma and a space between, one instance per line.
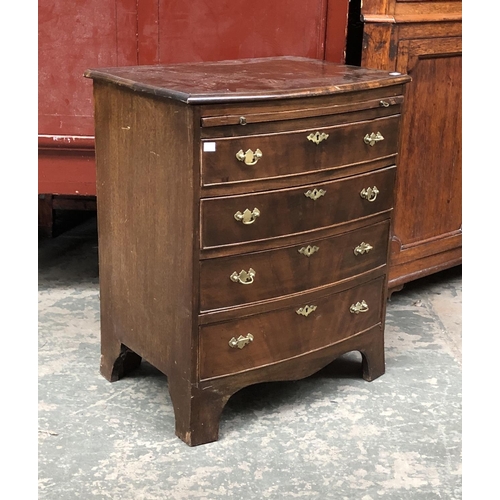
x=332, y=435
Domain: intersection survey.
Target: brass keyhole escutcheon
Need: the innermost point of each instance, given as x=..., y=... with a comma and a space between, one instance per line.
x=247, y=217
x=243, y=277
x=241, y=341
x=370, y=193
x=317, y=137
x=249, y=157
x=314, y=194
x=306, y=310
x=372, y=138
x=308, y=250
x=359, y=307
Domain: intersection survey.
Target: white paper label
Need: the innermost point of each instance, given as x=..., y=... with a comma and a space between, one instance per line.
x=209, y=147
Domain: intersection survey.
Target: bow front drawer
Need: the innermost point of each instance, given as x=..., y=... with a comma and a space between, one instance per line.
x=236, y=219
x=262, y=339
x=253, y=157
x=246, y=278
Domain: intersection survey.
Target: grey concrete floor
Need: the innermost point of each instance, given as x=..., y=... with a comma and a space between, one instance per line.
x=332, y=435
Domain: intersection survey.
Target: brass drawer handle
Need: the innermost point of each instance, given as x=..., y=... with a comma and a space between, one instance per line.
x=243, y=277
x=317, y=137
x=362, y=248
x=385, y=104
x=247, y=217
x=369, y=194
x=241, y=341
x=372, y=139
x=359, y=307
x=249, y=157
x=314, y=194
x=306, y=310
x=308, y=250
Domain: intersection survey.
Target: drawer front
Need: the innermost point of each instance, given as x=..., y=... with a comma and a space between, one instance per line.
x=271, y=214
x=230, y=281
x=254, y=341
x=225, y=160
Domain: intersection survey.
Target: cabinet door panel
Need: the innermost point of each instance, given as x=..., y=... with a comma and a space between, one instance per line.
x=431, y=147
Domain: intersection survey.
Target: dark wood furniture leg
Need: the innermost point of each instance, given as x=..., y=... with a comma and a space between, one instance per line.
x=197, y=413
x=373, y=357
x=45, y=215
x=394, y=289
x=117, y=359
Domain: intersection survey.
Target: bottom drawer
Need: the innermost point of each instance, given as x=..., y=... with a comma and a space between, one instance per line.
x=242, y=344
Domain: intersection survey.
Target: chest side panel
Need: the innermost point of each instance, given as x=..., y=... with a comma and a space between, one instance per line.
x=147, y=203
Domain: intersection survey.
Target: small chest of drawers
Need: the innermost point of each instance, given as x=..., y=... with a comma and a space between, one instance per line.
x=244, y=216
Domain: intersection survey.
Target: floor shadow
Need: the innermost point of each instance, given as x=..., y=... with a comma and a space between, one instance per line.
x=273, y=394
x=71, y=256
x=422, y=284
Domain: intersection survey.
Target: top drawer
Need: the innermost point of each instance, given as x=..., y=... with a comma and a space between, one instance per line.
x=236, y=159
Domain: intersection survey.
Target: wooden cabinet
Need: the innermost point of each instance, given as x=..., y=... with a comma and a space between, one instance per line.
x=424, y=40
x=244, y=212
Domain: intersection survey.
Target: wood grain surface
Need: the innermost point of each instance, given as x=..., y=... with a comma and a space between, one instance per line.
x=168, y=244
x=286, y=270
x=290, y=211
x=282, y=334
x=292, y=153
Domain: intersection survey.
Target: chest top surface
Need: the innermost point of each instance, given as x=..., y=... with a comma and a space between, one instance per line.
x=246, y=79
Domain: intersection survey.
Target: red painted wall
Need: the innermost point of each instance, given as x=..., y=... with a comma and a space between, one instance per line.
x=84, y=34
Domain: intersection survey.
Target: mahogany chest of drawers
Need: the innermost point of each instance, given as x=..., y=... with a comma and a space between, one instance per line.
x=244, y=216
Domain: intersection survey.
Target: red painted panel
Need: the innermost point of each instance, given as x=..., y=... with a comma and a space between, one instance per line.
x=147, y=31
x=336, y=30
x=232, y=29
x=66, y=172
x=73, y=36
